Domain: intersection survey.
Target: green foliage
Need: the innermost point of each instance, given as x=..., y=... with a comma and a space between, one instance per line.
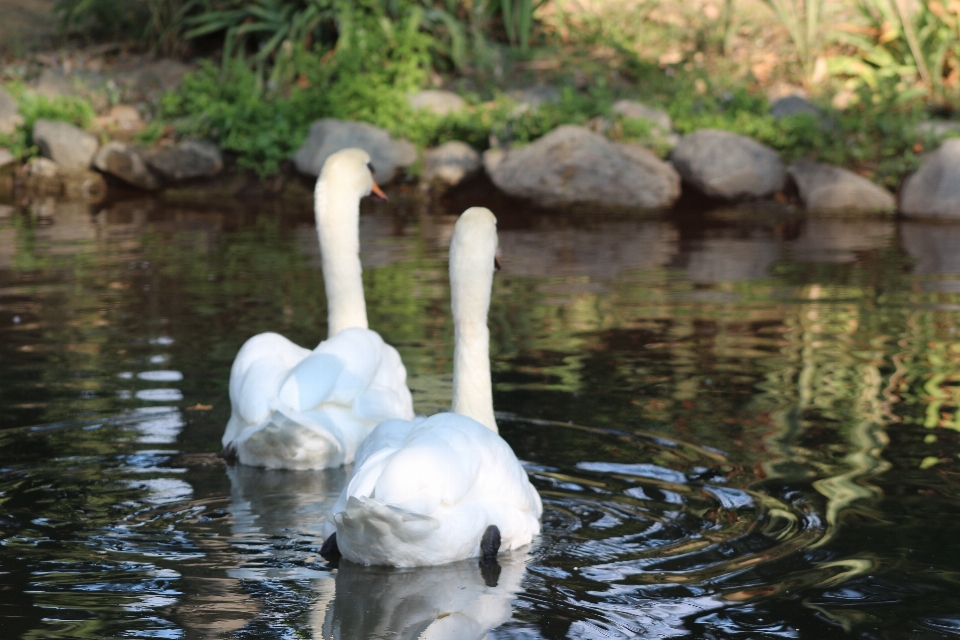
x=517, y=18
x=269, y=33
x=224, y=105
x=103, y=18
x=33, y=107
x=876, y=135
x=915, y=47
x=802, y=19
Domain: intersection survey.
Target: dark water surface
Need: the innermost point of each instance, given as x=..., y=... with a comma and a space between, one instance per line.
x=743, y=424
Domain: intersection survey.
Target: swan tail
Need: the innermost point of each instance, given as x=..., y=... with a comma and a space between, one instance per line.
x=282, y=442
x=370, y=532
x=490, y=545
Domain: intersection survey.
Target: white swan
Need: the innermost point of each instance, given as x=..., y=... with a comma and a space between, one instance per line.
x=292, y=408
x=444, y=488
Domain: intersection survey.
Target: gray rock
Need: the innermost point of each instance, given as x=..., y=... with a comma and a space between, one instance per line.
x=793, y=105
x=572, y=166
x=825, y=188
x=10, y=117
x=728, y=166
x=189, y=159
x=438, y=102
x=94, y=86
x=639, y=111
x=65, y=144
x=533, y=98
x=937, y=128
x=6, y=158
x=450, y=163
x=934, y=190
x=125, y=162
x=328, y=136
x=492, y=158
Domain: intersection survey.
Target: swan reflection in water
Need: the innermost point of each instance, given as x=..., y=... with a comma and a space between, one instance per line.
x=273, y=508
x=454, y=601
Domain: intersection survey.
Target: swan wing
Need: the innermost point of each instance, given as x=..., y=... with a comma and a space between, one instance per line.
x=255, y=378
x=311, y=382
x=264, y=345
x=374, y=380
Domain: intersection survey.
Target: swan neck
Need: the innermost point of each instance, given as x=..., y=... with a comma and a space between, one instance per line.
x=338, y=227
x=472, y=389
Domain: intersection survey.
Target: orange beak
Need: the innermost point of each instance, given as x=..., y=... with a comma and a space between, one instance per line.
x=377, y=191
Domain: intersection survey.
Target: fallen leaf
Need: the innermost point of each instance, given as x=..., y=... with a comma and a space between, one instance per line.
x=200, y=407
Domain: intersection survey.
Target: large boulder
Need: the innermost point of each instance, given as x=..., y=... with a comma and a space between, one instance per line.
x=10, y=117
x=188, y=160
x=329, y=135
x=125, y=162
x=450, y=163
x=70, y=147
x=728, y=166
x=825, y=188
x=439, y=102
x=572, y=166
x=934, y=190
x=794, y=105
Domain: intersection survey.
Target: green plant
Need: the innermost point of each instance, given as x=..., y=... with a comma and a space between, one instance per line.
x=33, y=107
x=803, y=21
x=917, y=45
x=102, y=18
x=517, y=18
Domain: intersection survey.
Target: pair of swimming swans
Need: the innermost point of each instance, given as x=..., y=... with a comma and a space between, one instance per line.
x=424, y=491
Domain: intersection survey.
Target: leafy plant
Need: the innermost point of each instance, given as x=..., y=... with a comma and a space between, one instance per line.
x=33, y=107
x=803, y=21
x=102, y=18
x=517, y=18
x=918, y=46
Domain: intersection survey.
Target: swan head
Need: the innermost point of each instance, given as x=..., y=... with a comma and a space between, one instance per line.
x=351, y=171
x=473, y=249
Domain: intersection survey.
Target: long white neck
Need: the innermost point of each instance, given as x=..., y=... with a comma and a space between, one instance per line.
x=470, y=300
x=338, y=227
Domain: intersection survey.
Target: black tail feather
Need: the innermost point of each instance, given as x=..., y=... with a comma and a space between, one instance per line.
x=330, y=551
x=489, y=547
x=490, y=543
x=229, y=454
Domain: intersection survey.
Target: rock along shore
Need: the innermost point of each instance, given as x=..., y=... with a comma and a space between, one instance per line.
x=571, y=166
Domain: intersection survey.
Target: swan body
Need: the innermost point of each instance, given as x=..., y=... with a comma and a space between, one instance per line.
x=425, y=491
x=293, y=408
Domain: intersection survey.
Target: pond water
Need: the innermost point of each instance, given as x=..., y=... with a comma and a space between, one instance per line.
x=743, y=423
